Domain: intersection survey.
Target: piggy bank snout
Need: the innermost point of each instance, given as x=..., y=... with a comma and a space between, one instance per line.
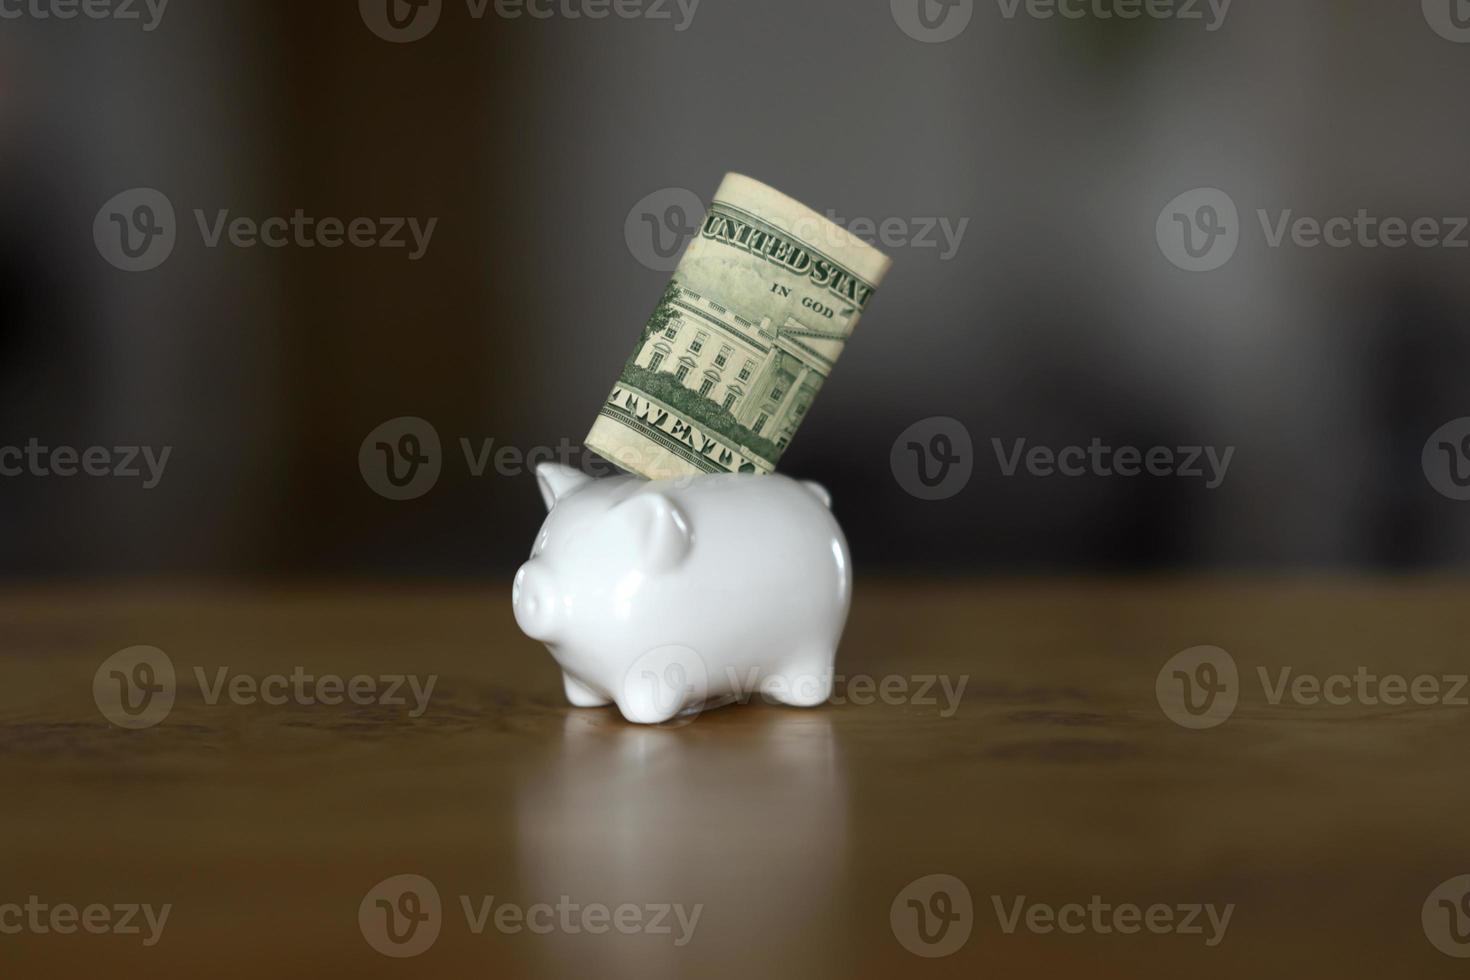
x=534, y=599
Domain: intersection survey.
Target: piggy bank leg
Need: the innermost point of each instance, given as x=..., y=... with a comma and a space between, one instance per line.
x=644, y=705
x=581, y=695
x=805, y=683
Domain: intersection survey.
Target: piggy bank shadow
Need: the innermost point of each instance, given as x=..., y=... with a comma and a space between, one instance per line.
x=743, y=814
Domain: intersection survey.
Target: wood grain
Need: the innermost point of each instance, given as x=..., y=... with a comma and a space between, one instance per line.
x=1056, y=777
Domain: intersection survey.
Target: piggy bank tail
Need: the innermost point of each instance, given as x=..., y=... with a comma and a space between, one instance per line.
x=818, y=491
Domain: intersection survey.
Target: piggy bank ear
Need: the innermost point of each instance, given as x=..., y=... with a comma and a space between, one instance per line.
x=556, y=481
x=660, y=531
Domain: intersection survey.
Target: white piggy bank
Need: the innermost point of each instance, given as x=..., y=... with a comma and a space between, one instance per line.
x=668, y=596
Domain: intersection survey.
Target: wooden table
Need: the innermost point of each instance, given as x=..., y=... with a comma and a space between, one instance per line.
x=1056, y=777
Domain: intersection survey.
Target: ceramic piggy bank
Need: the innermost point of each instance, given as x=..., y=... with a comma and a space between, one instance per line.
x=666, y=597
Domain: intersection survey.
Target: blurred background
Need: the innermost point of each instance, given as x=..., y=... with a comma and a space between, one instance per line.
x=1021, y=168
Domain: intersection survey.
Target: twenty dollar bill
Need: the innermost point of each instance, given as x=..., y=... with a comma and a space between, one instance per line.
x=746, y=333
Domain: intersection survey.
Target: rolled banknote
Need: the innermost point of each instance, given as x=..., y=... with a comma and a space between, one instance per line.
x=727, y=367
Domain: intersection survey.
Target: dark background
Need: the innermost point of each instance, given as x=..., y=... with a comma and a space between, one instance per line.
x=1058, y=320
